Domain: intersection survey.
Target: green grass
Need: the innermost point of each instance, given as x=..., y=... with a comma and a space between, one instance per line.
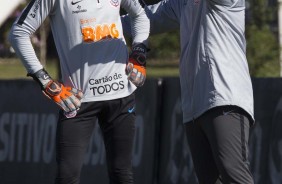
x=12, y=68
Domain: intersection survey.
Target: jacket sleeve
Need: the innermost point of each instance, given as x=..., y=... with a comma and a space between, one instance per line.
x=228, y=3
x=26, y=24
x=164, y=16
x=139, y=22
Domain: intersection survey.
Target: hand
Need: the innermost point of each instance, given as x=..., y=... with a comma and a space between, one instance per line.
x=66, y=97
x=69, y=99
x=136, y=67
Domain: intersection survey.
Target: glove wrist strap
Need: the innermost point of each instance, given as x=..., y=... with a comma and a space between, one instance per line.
x=140, y=48
x=139, y=52
x=41, y=77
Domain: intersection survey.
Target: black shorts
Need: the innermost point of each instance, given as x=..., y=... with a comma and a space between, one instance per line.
x=117, y=122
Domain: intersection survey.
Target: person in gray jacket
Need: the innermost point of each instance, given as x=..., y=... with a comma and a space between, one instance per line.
x=216, y=88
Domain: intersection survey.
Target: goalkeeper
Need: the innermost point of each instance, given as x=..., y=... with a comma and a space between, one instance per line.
x=99, y=77
x=216, y=88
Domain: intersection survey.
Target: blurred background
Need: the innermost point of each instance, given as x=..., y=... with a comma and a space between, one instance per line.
x=161, y=155
x=262, y=33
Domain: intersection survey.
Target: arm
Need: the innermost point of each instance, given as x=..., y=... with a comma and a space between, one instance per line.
x=164, y=16
x=140, y=27
x=30, y=20
x=139, y=22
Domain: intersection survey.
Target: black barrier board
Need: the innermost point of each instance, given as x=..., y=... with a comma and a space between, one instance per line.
x=266, y=137
x=161, y=154
x=174, y=152
x=27, y=134
x=147, y=124
x=27, y=137
x=175, y=163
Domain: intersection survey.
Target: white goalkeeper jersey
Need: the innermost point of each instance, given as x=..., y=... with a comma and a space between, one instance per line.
x=89, y=40
x=213, y=65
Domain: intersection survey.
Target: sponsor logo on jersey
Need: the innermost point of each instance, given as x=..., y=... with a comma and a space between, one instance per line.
x=35, y=9
x=106, y=85
x=87, y=21
x=99, y=33
x=79, y=10
x=115, y=3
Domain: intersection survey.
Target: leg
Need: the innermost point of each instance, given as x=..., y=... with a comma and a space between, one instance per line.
x=73, y=136
x=118, y=127
x=204, y=164
x=227, y=129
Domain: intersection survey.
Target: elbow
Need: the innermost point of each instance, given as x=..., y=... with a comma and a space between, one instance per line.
x=16, y=34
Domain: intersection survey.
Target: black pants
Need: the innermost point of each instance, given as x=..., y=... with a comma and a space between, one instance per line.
x=117, y=122
x=218, y=142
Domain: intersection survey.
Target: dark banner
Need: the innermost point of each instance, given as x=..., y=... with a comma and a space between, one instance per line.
x=27, y=137
x=175, y=163
x=161, y=154
x=27, y=134
x=266, y=135
x=265, y=143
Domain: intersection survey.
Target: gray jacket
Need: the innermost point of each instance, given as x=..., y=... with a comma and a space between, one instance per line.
x=213, y=65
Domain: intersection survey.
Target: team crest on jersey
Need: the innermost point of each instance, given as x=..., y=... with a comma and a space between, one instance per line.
x=115, y=3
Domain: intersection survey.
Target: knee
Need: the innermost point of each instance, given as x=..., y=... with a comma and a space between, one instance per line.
x=238, y=173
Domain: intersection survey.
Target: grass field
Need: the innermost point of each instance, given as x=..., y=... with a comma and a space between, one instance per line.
x=12, y=68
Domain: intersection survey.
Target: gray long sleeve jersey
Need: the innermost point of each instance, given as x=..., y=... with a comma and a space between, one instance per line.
x=89, y=39
x=213, y=64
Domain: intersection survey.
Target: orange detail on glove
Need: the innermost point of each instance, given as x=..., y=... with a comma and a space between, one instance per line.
x=69, y=99
x=136, y=67
x=66, y=97
x=136, y=72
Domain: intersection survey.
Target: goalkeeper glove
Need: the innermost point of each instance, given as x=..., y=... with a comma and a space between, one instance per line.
x=66, y=97
x=136, y=66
